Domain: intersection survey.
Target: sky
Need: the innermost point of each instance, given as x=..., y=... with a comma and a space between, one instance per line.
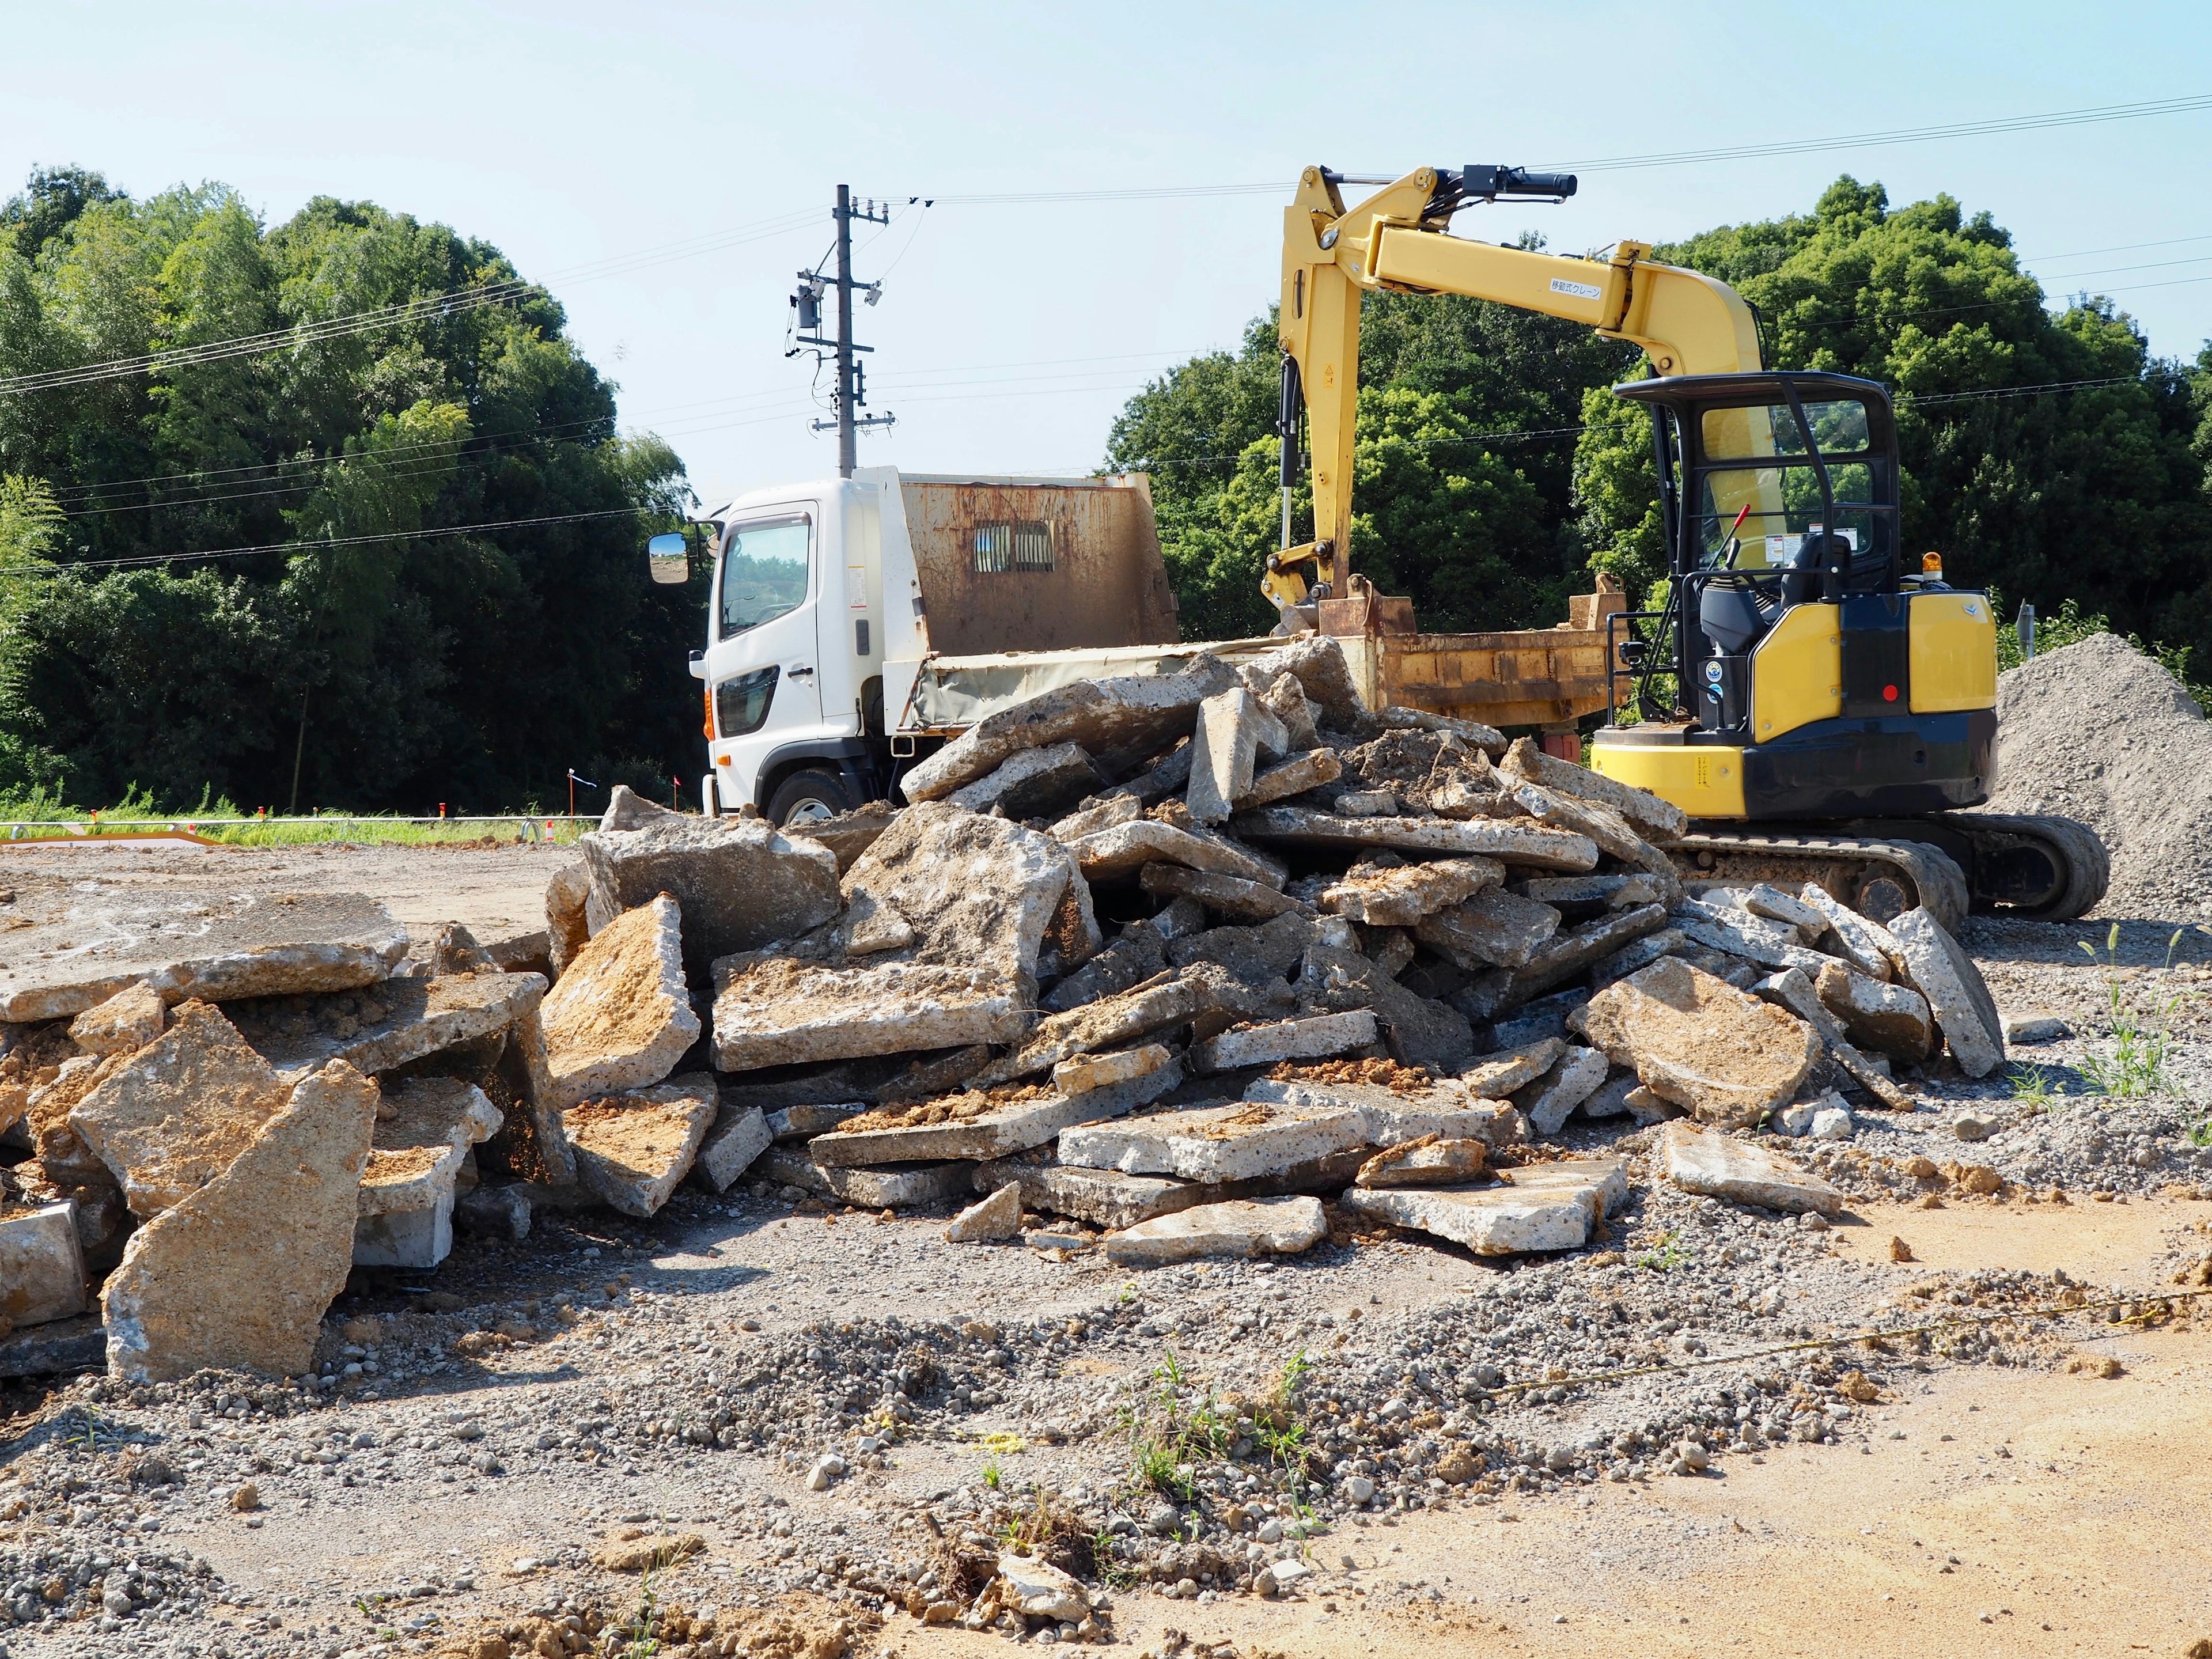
x=666, y=169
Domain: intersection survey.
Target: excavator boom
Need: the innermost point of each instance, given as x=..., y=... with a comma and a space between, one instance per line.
x=1396, y=241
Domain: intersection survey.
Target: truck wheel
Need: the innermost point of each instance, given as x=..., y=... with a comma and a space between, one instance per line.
x=808, y=797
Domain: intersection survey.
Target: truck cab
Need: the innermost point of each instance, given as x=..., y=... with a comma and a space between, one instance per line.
x=829, y=600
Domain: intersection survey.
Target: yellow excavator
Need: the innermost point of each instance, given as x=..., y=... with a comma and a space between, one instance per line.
x=1820, y=709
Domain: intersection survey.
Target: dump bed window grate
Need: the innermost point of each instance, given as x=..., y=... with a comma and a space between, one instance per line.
x=1013, y=544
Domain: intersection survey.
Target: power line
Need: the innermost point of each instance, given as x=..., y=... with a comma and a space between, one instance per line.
x=329, y=543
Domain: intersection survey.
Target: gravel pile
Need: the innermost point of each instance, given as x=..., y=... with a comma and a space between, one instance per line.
x=2100, y=733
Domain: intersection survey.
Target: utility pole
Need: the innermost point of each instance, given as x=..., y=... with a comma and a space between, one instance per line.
x=852, y=393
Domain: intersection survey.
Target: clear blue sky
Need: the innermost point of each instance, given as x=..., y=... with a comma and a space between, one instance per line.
x=571, y=135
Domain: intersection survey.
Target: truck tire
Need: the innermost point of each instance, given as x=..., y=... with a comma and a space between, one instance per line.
x=808, y=796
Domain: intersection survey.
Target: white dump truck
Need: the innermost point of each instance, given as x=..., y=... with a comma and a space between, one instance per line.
x=856, y=624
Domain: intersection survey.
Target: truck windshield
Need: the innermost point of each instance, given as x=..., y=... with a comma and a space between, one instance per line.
x=764, y=571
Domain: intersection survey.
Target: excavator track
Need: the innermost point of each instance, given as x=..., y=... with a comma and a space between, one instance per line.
x=2041, y=869
x=1881, y=878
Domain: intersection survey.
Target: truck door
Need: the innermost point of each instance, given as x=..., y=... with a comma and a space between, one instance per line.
x=763, y=664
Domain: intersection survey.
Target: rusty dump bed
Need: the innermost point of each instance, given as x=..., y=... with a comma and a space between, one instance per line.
x=1042, y=566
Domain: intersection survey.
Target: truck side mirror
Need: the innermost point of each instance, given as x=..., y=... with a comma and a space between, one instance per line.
x=669, y=559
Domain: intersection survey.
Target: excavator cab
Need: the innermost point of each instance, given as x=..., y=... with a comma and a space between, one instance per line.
x=1798, y=670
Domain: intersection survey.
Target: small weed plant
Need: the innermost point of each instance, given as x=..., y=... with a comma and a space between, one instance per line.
x=2136, y=1065
x=1667, y=1256
x=2031, y=1087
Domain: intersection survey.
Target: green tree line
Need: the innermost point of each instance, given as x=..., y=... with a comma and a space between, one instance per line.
x=2046, y=453
x=138, y=651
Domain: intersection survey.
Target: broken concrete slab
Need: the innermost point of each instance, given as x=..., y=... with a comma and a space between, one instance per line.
x=949, y=887
x=1418, y=1030
x=1390, y=1117
x=773, y=1010
x=1034, y=784
x=932, y=1074
x=122, y=1025
x=1488, y=738
x=238, y=1275
x=1722, y=1052
x=999, y=1215
x=1308, y=770
x=1492, y=929
x=739, y=1134
x=41, y=1264
x=1234, y=729
x=1037, y=1590
x=495, y=1212
x=1715, y=1165
x=1152, y=1005
x=1495, y=1076
x=1792, y=990
x=1510, y=841
x=980, y=1126
x=805, y=1122
x=1285, y=698
x=621, y=1018
x=386, y=1026
x=1563, y=956
x=425, y=1126
x=740, y=883
x=1367, y=804
x=1860, y=940
x=1961, y=1001
x=1573, y=1078
x=1241, y=1141
x=1314, y=1037
x=77, y=1344
x=1113, y=1198
x=1318, y=662
x=1637, y=953
x=1237, y=1229
x=1878, y=1013
x=1137, y=955
x=178, y=1112
x=848, y=835
x=1734, y=930
x=1402, y=894
x=1586, y=896
x=633, y=1149
x=1546, y=1206
x=1085, y=1073
x=1254, y=955
x=1228, y=896
x=901, y=1186
x=1125, y=848
x=1535, y=1022
x=1431, y=1161
x=568, y=897
x=72, y=945
x=1123, y=711
x=1763, y=899
x=1073, y=936
x=1527, y=761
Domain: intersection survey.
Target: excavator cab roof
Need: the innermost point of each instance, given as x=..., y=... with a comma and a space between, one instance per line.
x=1765, y=385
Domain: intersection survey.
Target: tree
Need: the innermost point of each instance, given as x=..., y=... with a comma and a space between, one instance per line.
x=366, y=658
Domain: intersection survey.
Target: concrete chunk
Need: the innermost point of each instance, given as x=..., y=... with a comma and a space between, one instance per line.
x=1228, y=896
x=739, y=1135
x=386, y=1026
x=1240, y=1228
x=1771, y=902
x=424, y=1130
x=1715, y=1165
x=1128, y=847
x=1312, y=1038
x=1736, y=931
x=237, y=1275
x=773, y=1010
x=1302, y=772
x=1109, y=1023
x=1496, y=1076
x=1509, y=842
x=41, y=1264
x=1726, y=1056
x=1400, y=895
x=1893, y=1018
x=1431, y=1161
x=1124, y=712
x=1085, y=1073
x=1492, y=929
x=1587, y=895
x=1546, y=1207
x=948, y=887
x=72, y=945
x=1572, y=1079
x=1563, y=956
x=1033, y=784
x=122, y=1025
x=1860, y=940
x=1113, y=1198
x=1792, y=990
x=999, y=1215
x=633, y=1149
x=976, y=1127
x=1947, y=977
x=1237, y=1142
x=567, y=927
x=1318, y=662
x=180, y=1111
x=1418, y=1030
x=1527, y=761
x=621, y=1018
x=1390, y=1117
x=1234, y=729
x=1137, y=955
x=898, y=1187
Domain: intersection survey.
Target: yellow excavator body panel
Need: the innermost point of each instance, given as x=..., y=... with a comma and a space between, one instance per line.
x=1797, y=673
x=1704, y=780
x=1953, y=645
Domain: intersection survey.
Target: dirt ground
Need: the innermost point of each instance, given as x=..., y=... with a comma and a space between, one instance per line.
x=1997, y=1510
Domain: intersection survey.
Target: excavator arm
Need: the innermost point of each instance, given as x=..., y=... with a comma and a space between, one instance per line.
x=1396, y=241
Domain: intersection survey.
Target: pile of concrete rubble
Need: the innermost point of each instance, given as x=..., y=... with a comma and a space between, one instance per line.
x=1169, y=959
